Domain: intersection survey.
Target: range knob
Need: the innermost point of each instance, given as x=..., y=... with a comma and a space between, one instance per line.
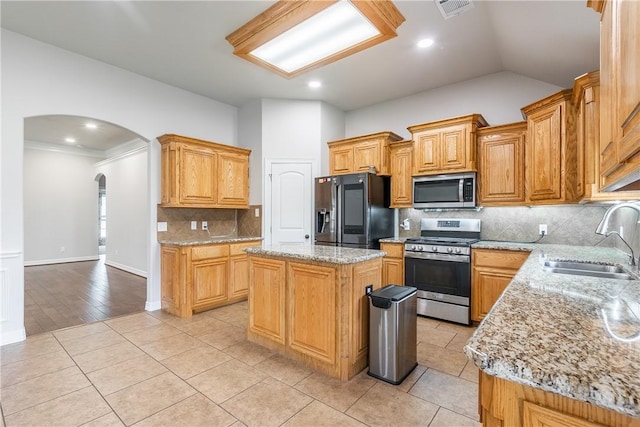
x=450, y=250
x=458, y=250
x=419, y=248
x=434, y=249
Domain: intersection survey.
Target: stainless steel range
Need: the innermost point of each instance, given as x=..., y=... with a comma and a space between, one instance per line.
x=438, y=264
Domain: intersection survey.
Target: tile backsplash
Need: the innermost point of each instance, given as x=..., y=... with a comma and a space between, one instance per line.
x=221, y=223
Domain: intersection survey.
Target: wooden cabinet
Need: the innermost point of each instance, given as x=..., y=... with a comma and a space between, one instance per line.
x=504, y=403
x=551, y=159
x=492, y=271
x=501, y=153
x=393, y=264
x=358, y=154
x=445, y=146
x=202, y=174
x=620, y=94
x=197, y=278
x=267, y=299
x=401, y=179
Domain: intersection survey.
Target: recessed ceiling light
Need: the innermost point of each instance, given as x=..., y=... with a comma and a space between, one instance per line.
x=91, y=125
x=70, y=140
x=425, y=43
x=314, y=84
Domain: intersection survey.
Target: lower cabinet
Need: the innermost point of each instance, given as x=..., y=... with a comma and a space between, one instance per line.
x=507, y=404
x=393, y=264
x=492, y=272
x=197, y=278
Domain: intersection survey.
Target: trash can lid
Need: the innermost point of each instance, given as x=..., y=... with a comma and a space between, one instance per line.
x=394, y=292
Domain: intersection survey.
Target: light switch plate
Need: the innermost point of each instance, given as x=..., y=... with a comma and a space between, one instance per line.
x=257, y=212
x=194, y=225
x=162, y=226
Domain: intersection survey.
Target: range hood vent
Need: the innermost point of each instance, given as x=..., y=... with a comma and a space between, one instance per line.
x=451, y=8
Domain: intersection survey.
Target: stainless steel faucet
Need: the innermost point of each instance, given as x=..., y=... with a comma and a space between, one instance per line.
x=603, y=227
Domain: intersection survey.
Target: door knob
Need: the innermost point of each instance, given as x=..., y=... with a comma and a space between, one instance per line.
x=306, y=236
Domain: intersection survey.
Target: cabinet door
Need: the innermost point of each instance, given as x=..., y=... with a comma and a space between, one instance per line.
x=364, y=274
x=486, y=287
x=367, y=154
x=341, y=160
x=392, y=271
x=267, y=298
x=197, y=176
x=501, y=171
x=544, y=154
x=233, y=177
x=209, y=278
x=608, y=149
x=401, y=180
x=171, y=279
x=538, y=416
x=426, y=155
x=238, y=277
x=453, y=148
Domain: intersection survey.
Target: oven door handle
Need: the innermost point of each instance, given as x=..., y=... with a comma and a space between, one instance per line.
x=438, y=257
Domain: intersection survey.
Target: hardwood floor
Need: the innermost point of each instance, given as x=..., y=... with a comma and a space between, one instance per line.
x=61, y=295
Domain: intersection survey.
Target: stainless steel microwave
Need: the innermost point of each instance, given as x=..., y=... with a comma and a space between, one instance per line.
x=445, y=191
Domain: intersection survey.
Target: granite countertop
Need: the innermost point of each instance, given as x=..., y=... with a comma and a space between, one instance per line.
x=576, y=336
x=329, y=254
x=505, y=245
x=210, y=241
x=393, y=240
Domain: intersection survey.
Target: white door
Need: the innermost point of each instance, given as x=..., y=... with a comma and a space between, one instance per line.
x=291, y=203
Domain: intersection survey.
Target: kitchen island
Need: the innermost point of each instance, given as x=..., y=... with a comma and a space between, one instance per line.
x=309, y=303
x=560, y=349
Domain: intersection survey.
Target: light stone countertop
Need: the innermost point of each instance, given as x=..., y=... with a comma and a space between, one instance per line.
x=393, y=240
x=549, y=330
x=317, y=253
x=211, y=241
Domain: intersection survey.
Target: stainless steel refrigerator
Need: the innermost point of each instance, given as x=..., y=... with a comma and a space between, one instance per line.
x=352, y=210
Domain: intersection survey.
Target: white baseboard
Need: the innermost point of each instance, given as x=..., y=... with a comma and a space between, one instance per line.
x=9, y=337
x=61, y=260
x=153, y=305
x=126, y=268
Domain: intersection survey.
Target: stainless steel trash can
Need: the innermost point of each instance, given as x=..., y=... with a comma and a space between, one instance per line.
x=392, y=333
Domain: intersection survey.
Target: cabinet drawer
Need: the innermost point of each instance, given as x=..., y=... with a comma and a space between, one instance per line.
x=393, y=250
x=237, y=248
x=212, y=251
x=499, y=258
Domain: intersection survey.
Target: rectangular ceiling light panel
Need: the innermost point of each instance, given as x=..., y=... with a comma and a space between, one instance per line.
x=293, y=37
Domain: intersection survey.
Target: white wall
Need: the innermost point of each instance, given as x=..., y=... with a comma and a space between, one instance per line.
x=39, y=79
x=250, y=136
x=60, y=207
x=332, y=128
x=127, y=210
x=498, y=97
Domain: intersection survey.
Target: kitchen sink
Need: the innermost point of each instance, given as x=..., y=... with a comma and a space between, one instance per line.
x=576, y=268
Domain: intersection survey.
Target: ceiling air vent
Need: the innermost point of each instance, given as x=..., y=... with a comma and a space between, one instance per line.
x=451, y=8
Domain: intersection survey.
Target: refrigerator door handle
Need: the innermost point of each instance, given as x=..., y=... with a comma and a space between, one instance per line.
x=338, y=211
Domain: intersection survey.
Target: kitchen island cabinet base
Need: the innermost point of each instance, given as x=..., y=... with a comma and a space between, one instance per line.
x=313, y=312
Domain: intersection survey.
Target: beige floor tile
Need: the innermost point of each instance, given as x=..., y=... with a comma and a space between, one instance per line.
x=447, y=418
x=458, y=342
x=154, y=333
x=141, y=400
x=109, y=420
x=249, y=353
x=470, y=372
x=194, y=411
x=71, y=409
x=461, y=330
x=225, y=337
x=442, y=359
x=434, y=336
x=132, y=322
x=428, y=321
x=411, y=379
x=453, y=393
x=194, y=362
x=124, y=374
x=23, y=370
x=272, y=403
x=31, y=347
x=107, y=356
x=284, y=369
x=203, y=326
x=80, y=331
x=171, y=346
x=32, y=392
x=334, y=392
x=320, y=415
x=226, y=380
x=383, y=405
x=92, y=342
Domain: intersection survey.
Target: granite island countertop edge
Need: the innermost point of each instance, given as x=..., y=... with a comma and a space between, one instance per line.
x=317, y=253
x=210, y=241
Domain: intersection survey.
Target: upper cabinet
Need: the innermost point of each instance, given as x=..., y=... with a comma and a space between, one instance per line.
x=619, y=94
x=501, y=151
x=359, y=154
x=401, y=180
x=202, y=174
x=446, y=146
x=551, y=150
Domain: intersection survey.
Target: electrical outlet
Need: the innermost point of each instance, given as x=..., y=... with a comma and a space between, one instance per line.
x=406, y=225
x=368, y=289
x=542, y=230
x=204, y=225
x=162, y=226
x=194, y=225
x=257, y=212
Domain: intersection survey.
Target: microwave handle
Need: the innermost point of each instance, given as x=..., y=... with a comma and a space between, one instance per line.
x=460, y=189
